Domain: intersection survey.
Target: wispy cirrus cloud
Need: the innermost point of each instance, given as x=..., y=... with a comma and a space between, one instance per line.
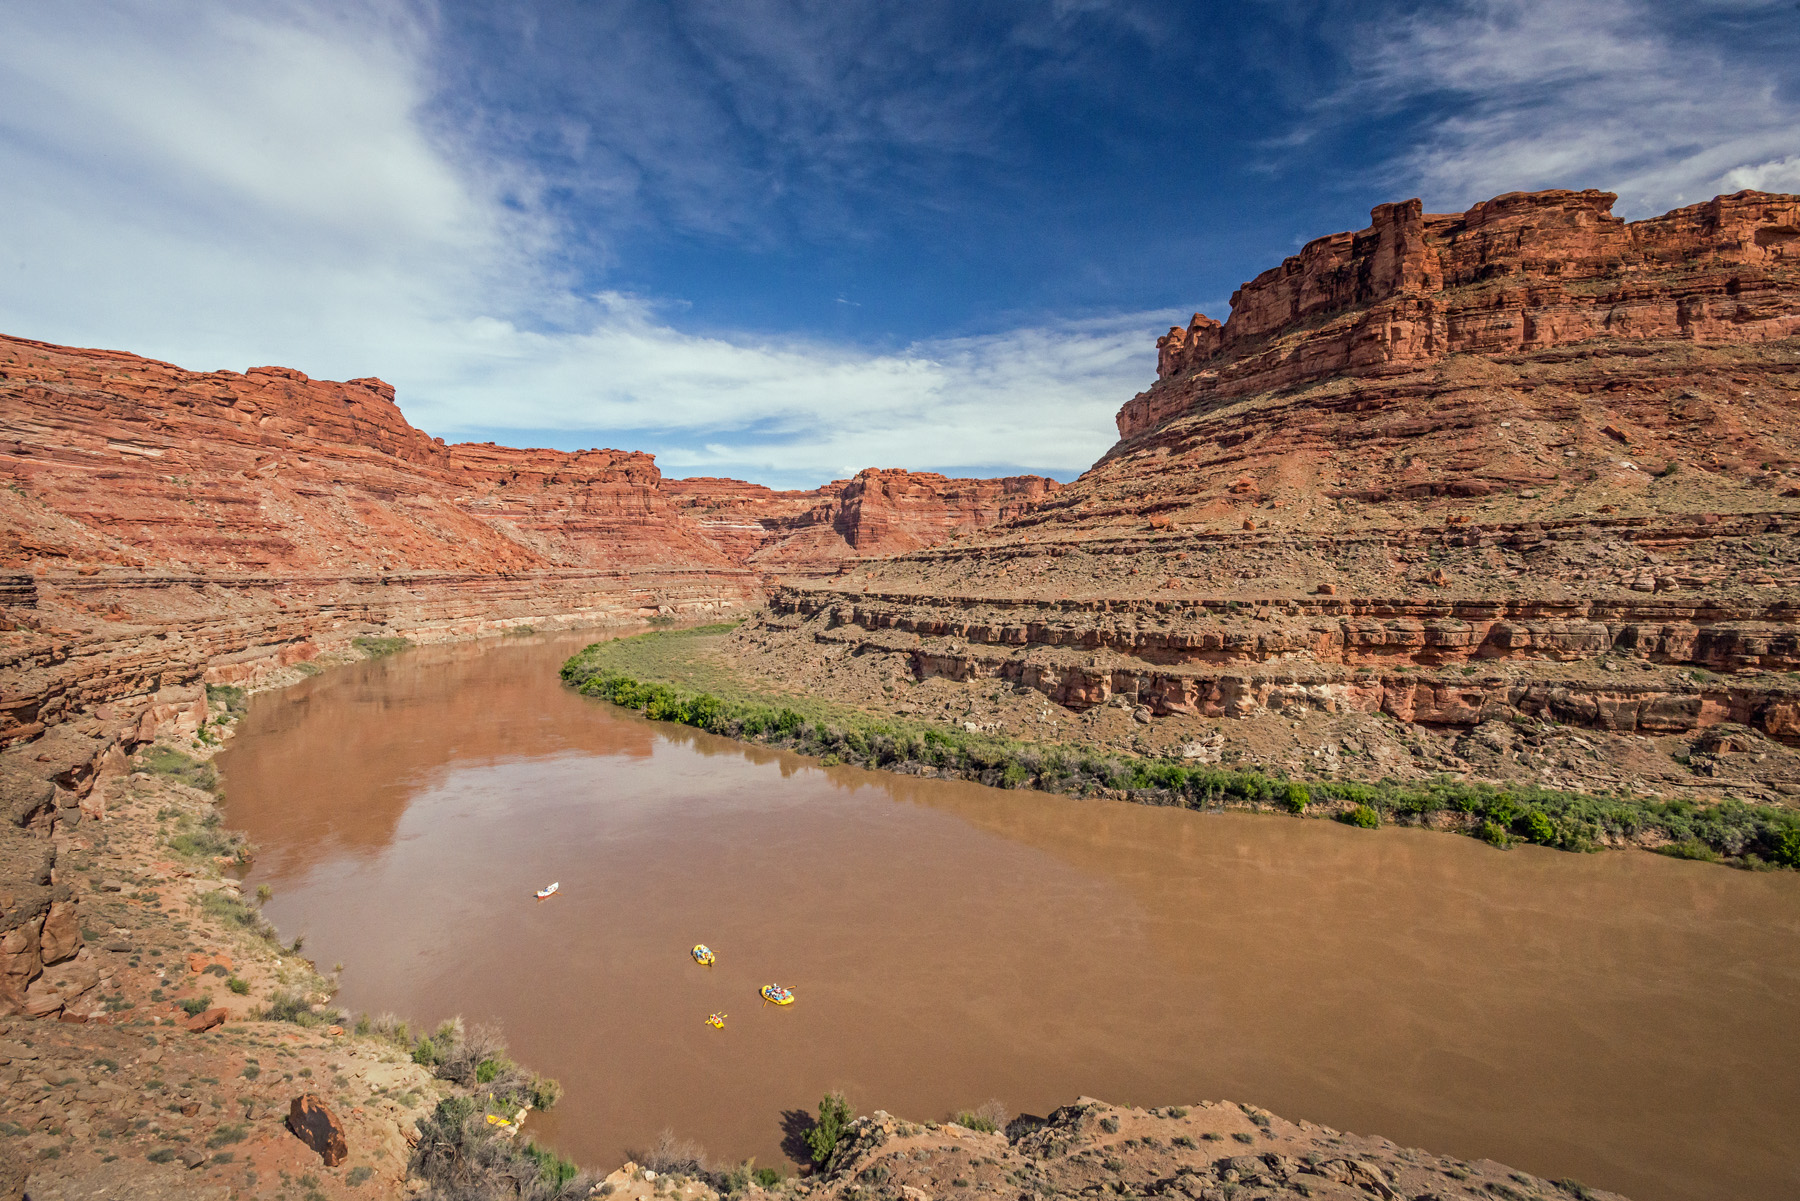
x=1664, y=104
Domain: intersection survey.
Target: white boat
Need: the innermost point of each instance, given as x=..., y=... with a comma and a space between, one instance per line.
x=548, y=892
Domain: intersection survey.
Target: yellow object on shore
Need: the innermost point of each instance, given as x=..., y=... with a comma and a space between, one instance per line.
x=703, y=955
x=495, y=1120
x=717, y=1020
x=777, y=995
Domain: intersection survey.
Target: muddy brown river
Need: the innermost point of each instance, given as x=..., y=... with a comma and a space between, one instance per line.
x=1627, y=1020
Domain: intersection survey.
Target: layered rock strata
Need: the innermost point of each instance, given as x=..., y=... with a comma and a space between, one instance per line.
x=1525, y=464
x=878, y=512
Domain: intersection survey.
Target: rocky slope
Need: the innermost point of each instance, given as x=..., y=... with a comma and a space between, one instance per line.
x=1208, y=1152
x=1441, y=494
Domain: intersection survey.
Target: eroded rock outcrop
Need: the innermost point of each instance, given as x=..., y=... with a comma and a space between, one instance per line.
x=1528, y=465
x=1522, y=272
x=878, y=512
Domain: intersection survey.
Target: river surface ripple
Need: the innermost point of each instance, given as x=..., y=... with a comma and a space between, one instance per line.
x=1624, y=1019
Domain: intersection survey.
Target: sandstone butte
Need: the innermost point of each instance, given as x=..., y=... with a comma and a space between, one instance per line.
x=1510, y=493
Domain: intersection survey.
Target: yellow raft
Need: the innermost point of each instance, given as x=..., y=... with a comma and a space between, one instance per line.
x=703, y=955
x=717, y=1020
x=777, y=995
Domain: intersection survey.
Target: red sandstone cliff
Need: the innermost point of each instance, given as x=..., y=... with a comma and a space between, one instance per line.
x=159, y=523
x=1522, y=272
x=1468, y=472
x=879, y=512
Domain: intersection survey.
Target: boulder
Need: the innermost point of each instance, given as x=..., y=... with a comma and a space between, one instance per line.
x=60, y=938
x=200, y=1023
x=313, y=1123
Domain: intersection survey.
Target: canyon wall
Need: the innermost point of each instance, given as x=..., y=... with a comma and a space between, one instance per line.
x=1522, y=272
x=879, y=512
x=1524, y=464
x=160, y=522
x=162, y=530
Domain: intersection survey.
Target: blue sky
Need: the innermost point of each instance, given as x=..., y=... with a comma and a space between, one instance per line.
x=787, y=241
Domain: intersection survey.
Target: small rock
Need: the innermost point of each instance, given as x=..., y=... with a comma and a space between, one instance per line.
x=193, y=1157
x=313, y=1123
x=112, y=886
x=1326, y=590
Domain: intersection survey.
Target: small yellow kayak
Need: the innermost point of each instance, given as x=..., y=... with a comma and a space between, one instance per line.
x=494, y=1120
x=703, y=955
x=717, y=1020
x=777, y=995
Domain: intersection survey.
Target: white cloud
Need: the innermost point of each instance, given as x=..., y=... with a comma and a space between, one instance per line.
x=1588, y=93
x=194, y=183
x=1776, y=175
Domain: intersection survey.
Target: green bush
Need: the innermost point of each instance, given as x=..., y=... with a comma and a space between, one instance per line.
x=291, y=1007
x=1533, y=826
x=232, y=911
x=226, y=1135
x=376, y=648
x=460, y=1154
x=238, y=985
x=1734, y=830
x=235, y=699
x=835, y=1116
x=544, y=1092
x=167, y=761
x=195, y=1006
x=553, y=1169
x=208, y=840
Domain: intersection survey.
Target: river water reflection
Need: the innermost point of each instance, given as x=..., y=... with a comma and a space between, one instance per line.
x=1626, y=1020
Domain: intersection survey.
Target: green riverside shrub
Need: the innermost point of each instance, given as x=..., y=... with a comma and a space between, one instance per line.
x=835, y=1116
x=1740, y=831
